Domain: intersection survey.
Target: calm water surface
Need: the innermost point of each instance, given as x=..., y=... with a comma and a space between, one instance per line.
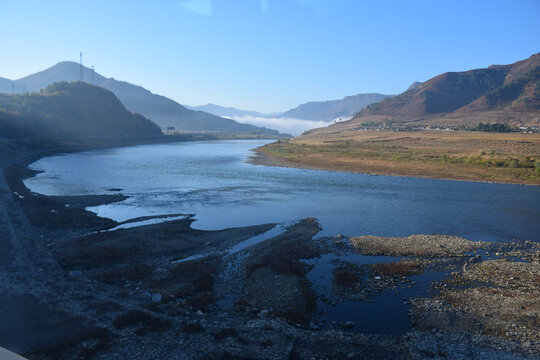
x=213, y=181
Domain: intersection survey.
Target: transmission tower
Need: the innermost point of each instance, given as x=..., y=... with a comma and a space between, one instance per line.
x=81, y=68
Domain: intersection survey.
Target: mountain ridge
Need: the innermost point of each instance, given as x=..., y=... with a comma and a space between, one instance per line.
x=508, y=94
x=226, y=111
x=325, y=110
x=165, y=112
x=77, y=109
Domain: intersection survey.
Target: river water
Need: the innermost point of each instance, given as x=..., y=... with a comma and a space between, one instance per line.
x=213, y=181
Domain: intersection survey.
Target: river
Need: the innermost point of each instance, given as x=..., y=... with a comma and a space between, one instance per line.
x=213, y=181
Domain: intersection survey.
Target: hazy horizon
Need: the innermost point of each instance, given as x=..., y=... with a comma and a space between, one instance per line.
x=290, y=126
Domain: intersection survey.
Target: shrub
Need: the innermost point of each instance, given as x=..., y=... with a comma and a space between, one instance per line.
x=513, y=163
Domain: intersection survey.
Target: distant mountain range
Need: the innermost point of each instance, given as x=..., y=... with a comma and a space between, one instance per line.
x=508, y=94
x=314, y=111
x=163, y=111
x=333, y=109
x=229, y=112
x=63, y=110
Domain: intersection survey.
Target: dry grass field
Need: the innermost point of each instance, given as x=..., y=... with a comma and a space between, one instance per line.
x=459, y=155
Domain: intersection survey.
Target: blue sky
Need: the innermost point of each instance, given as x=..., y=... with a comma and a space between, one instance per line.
x=267, y=55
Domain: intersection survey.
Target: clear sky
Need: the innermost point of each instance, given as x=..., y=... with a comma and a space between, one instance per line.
x=267, y=55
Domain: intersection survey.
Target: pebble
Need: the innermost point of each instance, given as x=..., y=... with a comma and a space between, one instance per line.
x=156, y=298
x=75, y=273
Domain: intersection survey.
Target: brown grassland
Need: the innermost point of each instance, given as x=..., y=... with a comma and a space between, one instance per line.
x=459, y=155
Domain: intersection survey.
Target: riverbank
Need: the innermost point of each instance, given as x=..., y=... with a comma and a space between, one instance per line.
x=161, y=290
x=455, y=155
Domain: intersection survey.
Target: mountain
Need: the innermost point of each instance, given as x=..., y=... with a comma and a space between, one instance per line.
x=508, y=94
x=226, y=111
x=5, y=85
x=64, y=110
x=414, y=85
x=163, y=111
x=332, y=109
x=520, y=92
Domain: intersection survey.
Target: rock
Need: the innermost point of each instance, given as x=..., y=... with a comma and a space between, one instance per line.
x=349, y=325
x=339, y=237
x=199, y=312
x=476, y=258
x=263, y=313
x=156, y=298
x=147, y=294
x=75, y=273
x=313, y=326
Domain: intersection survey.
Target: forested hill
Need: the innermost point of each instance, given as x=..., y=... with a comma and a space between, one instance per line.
x=163, y=111
x=74, y=109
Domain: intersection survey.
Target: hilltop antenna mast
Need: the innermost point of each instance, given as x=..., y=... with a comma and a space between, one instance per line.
x=92, y=74
x=81, y=67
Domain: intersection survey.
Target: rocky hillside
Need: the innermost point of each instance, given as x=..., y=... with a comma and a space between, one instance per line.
x=507, y=94
x=70, y=110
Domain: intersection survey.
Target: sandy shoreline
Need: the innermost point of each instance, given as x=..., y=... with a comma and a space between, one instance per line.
x=118, y=293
